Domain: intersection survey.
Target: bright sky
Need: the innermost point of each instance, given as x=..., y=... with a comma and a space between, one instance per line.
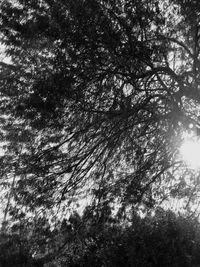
x=190, y=149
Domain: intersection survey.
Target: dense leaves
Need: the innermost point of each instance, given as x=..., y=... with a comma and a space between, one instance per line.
x=95, y=99
x=164, y=239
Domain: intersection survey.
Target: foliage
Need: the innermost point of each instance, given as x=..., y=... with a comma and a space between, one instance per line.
x=20, y=241
x=160, y=240
x=163, y=239
x=95, y=100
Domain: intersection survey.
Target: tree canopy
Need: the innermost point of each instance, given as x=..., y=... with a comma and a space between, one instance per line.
x=96, y=98
x=164, y=239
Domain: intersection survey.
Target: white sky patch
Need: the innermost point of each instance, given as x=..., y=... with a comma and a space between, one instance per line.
x=190, y=150
x=3, y=57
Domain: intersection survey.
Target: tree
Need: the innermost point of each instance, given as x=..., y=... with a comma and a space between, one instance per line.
x=97, y=95
x=28, y=242
x=164, y=239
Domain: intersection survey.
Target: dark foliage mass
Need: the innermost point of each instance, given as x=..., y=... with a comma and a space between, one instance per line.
x=95, y=96
x=160, y=240
x=97, y=92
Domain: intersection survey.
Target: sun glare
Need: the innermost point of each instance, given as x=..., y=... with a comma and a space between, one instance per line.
x=190, y=151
